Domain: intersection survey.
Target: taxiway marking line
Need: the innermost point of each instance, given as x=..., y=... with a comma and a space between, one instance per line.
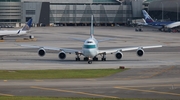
x=39, y=80
x=151, y=91
x=151, y=86
x=75, y=92
x=163, y=71
x=2, y=94
x=149, y=76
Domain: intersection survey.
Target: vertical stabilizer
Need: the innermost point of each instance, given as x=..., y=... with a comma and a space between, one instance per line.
x=28, y=25
x=147, y=18
x=92, y=28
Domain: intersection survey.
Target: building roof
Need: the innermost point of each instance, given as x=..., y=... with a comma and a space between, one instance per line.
x=148, y=1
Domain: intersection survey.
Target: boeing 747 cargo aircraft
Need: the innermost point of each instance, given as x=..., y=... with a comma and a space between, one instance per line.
x=90, y=49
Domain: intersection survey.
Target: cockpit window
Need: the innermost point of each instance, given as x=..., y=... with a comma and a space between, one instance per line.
x=89, y=42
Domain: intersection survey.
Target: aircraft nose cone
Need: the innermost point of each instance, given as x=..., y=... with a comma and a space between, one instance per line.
x=89, y=53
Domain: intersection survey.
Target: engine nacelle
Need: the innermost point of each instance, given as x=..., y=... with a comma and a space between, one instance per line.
x=140, y=52
x=119, y=55
x=62, y=55
x=41, y=52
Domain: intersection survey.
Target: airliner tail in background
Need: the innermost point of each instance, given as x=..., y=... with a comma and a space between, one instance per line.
x=27, y=26
x=147, y=17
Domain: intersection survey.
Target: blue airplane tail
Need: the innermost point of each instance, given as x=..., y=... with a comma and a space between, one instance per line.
x=147, y=17
x=28, y=25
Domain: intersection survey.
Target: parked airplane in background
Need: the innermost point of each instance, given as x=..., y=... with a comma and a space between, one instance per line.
x=160, y=25
x=90, y=49
x=22, y=31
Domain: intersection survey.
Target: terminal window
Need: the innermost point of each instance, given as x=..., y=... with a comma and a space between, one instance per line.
x=30, y=12
x=10, y=0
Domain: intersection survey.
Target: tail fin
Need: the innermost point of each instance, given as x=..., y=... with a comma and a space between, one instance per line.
x=92, y=28
x=147, y=18
x=28, y=25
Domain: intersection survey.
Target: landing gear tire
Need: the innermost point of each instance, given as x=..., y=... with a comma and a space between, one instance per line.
x=85, y=58
x=95, y=59
x=90, y=62
x=136, y=30
x=140, y=29
x=31, y=37
x=2, y=38
x=77, y=59
x=103, y=59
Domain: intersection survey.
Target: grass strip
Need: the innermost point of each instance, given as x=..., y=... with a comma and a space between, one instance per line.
x=56, y=98
x=57, y=74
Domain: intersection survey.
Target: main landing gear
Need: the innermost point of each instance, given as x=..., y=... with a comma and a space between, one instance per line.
x=78, y=58
x=103, y=57
x=139, y=28
x=1, y=38
x=91, y=59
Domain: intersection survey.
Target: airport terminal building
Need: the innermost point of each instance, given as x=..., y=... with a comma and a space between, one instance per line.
x=10, y=12
x=167, y=10
x=69, y=12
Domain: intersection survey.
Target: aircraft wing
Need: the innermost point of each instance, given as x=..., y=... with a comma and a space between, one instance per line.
x=105, y=39
x=78, y=39
x=127, y=49
x=53, y=48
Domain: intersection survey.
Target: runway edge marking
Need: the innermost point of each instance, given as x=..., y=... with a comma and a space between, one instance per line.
x=76, y=92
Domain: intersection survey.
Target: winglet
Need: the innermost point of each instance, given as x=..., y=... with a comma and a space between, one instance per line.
x=28, y=25
x=92, y=28
x=147, y=17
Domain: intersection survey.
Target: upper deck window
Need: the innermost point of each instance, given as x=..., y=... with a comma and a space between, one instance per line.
x=89, y=42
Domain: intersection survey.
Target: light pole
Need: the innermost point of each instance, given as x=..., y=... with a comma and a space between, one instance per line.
x=162, y=11
x=177, y=10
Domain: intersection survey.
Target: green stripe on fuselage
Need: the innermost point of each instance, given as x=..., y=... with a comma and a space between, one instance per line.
x=89, y=46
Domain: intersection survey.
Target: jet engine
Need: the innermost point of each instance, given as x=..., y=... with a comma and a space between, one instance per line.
x=140, y=52
x=62, y=55
x=119, y=55
x=41, y=52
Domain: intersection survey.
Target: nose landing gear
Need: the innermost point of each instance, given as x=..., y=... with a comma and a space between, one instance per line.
x=90, y=60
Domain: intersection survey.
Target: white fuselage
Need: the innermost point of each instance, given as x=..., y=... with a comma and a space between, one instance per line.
x=12, y=33
x=90, y=48
x=172, y=25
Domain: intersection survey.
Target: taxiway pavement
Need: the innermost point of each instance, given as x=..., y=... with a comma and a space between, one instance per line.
x=155, y=75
